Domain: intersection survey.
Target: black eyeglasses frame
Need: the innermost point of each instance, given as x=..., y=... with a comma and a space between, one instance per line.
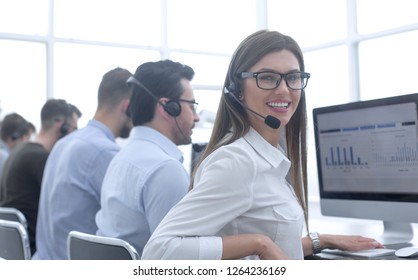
x=194, y=103
x=304, y=75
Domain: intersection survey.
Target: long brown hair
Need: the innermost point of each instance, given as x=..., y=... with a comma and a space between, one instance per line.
x=232, y=118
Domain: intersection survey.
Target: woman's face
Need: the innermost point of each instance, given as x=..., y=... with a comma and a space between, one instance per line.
x=280, y=102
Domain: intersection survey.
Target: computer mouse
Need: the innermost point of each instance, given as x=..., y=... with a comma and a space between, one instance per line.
x=407, y=252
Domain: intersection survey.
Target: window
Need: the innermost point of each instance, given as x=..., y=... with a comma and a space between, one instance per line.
x=16, y=14
x=391, y=70
x=23, y=82
x=78, y=70
x=376, y=15
x=309, y=22
x=123, y=21
x=212, y=26
x=54, y=48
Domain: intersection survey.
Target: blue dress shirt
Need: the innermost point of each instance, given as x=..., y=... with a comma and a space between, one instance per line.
x=143, y=182
x=71, y=186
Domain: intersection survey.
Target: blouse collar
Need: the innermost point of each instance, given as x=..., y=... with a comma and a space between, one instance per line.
x=273, y=155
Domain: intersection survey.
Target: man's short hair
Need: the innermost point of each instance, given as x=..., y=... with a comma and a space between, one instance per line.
x=54, y=110
x=113, y=88
x=163, y=79
x=14, y=126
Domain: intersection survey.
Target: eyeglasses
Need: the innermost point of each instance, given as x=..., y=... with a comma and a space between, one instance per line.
x=194, y=104
x=271, y=80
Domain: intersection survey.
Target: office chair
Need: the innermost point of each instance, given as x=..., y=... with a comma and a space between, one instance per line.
x=13, y=214
x=14, y=241
x=83, y=246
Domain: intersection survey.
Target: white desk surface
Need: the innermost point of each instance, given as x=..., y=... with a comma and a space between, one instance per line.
x=368, y=228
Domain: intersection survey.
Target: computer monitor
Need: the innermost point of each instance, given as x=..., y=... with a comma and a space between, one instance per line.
x=197, y=150
x=367, y=159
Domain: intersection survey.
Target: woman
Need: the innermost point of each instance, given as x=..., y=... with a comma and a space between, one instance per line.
x=241, y=204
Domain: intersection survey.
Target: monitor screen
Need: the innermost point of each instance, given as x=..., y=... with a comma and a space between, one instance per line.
x=367, y=159
x=197, y=150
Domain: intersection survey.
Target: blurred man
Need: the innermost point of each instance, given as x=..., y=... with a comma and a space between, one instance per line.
x=71, y=199
x=20, y=184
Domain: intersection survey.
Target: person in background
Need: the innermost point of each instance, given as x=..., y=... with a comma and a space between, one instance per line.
x=22, y=175
x=147, y=177
x=32, y=131
x=243, y=204
x=13, y=131
x=70, y=200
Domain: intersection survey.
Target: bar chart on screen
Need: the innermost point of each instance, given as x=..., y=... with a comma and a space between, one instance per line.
x=377, y=146
x=371, y=154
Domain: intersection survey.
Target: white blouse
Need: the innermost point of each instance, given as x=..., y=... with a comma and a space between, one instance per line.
x=240, y=188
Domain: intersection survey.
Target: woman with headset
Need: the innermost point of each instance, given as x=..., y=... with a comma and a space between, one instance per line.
x=248, y=196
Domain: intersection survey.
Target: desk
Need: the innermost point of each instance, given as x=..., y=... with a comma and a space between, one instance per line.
x=348, y=226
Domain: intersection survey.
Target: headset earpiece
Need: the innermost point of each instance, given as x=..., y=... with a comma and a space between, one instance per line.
x=21, y=130
x=172, y=107
x=232, y=89
x=15, y=135
x=231, y=86
x=64, y=129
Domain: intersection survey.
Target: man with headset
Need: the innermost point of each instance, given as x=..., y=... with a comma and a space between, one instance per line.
x=70, y=200
x=146, y=178
x=20, y=184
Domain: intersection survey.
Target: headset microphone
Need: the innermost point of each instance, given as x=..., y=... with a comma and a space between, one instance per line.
x=181, y=131
x=269, y=120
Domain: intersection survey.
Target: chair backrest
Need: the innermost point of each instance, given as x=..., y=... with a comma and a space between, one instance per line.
x=83, y=246
x=14, y=241
x=13, y=214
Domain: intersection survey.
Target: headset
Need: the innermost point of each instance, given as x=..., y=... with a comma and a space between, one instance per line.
x=172, y=107
x=15, y=135
x=233, y=88
x=21, y=130
x=65, y=127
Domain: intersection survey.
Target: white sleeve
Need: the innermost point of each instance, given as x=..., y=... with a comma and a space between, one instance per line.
x=222, y=191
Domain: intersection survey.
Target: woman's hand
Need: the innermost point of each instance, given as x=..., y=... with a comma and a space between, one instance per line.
x=270, y=251
x=348, y=242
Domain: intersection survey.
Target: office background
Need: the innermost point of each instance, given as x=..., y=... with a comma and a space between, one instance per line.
x=354, y=50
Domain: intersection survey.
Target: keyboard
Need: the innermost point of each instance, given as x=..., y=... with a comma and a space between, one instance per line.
x=370, y=253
